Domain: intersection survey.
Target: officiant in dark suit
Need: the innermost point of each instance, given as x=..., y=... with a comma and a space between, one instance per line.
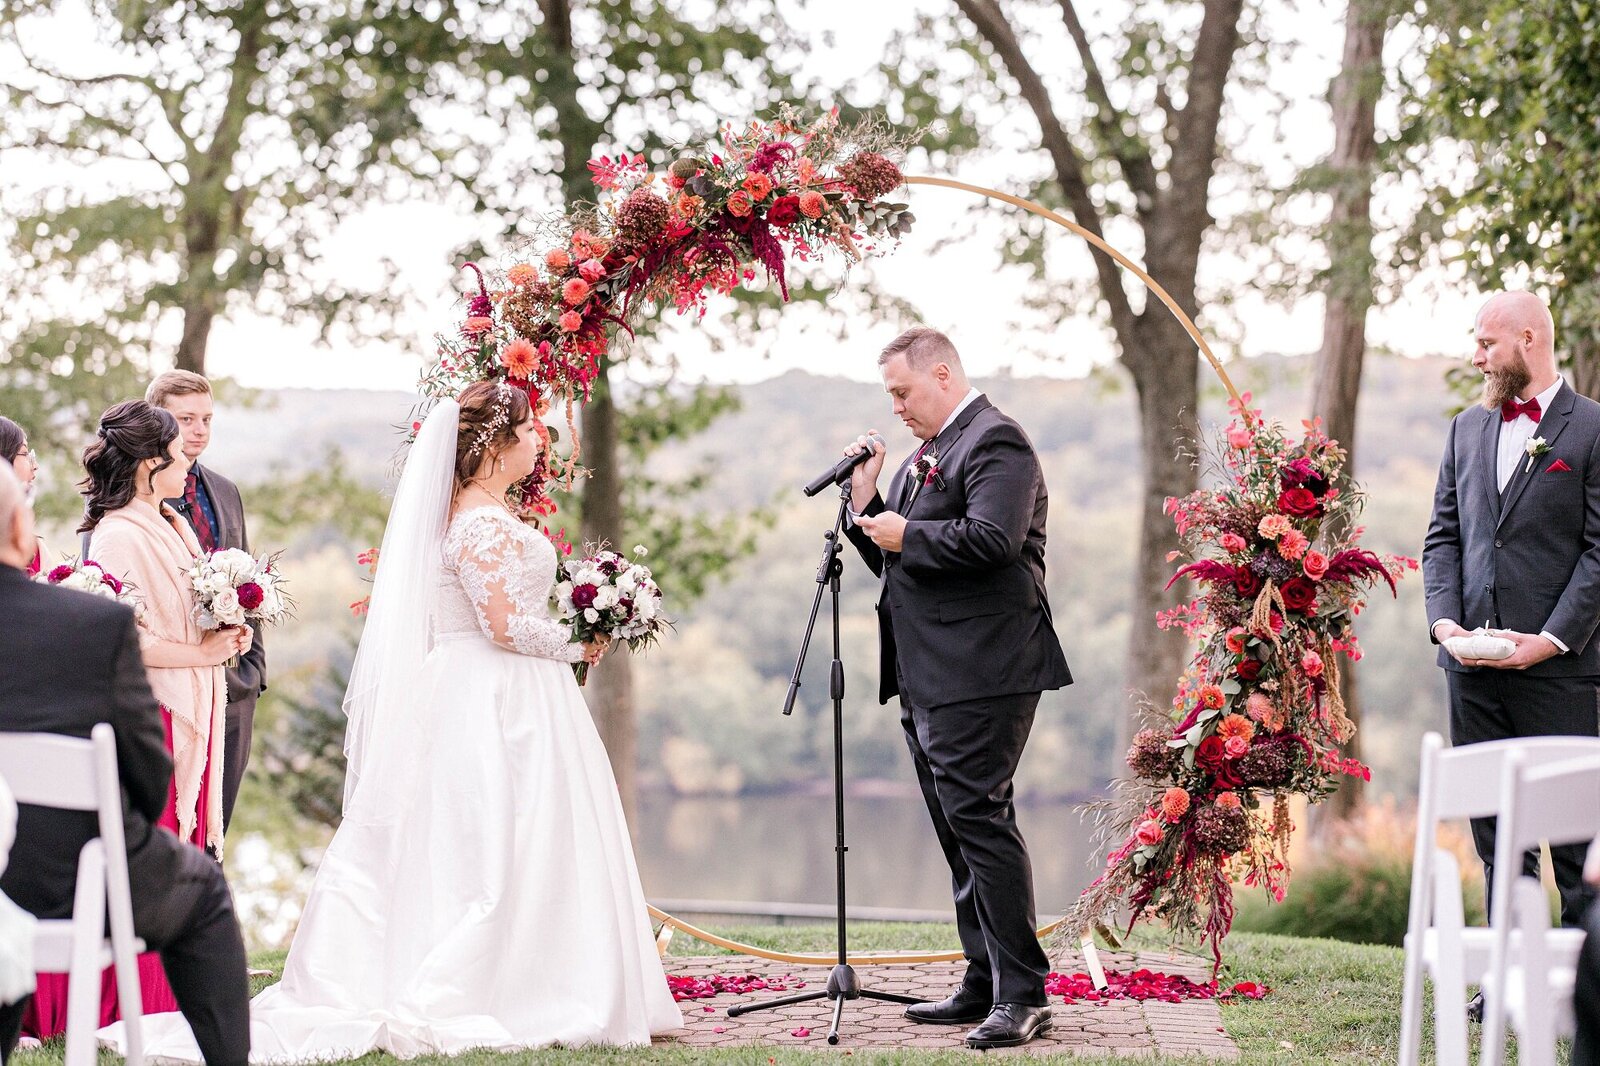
x=215, y=511
x=968, y=647
x=72, y=661
x=1514, y=543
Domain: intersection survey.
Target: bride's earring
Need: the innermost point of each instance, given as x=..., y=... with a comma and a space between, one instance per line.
x=502, y=464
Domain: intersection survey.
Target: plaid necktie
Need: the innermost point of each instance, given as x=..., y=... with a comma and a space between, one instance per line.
x=197, y=517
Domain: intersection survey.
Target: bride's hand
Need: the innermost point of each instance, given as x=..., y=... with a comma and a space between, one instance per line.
x=594, y=649
x=218, y=646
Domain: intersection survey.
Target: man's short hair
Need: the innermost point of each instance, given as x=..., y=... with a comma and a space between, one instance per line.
x=922, y=347
x=175, y=383
x=10, y=498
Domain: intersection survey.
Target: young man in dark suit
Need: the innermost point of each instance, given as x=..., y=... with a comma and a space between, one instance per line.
x=1514, y=544
x=72, y=661
x=214, y=509
x=967, y=644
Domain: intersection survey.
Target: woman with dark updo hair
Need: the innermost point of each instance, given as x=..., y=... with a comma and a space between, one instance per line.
x=134, y=463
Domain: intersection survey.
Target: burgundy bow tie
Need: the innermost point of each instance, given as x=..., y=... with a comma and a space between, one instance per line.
x=1511, y=409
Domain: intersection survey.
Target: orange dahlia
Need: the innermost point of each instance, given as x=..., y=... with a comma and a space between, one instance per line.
x=1235, y=725
x=1174, y=804
x=519, y=358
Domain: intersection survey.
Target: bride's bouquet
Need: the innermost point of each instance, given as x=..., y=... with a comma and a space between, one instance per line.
x=606, y=594
x=90, y=576
x=232, y=587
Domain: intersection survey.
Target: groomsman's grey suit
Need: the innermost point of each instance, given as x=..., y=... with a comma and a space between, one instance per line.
x=248, y=680
x=1527, y=559
x=967, y=644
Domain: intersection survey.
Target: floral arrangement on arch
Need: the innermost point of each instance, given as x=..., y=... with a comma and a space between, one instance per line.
x=1257, y=716
x=717, y=219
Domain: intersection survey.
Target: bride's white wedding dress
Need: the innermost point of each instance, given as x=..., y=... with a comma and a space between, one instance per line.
x=481, y=891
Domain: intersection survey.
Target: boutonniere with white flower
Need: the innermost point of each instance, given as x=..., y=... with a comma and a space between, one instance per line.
x=1535, y=448
x=927, y=470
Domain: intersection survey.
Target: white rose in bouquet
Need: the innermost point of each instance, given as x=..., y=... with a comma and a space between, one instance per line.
x=237, y=565
x=226, y=608
x=606, y=598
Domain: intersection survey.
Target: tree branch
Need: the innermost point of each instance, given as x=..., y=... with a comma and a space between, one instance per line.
x=993, y=26
x=1131, y=154
x=1194, y=152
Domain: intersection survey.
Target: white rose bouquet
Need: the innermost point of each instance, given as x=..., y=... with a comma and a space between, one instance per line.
x=231, y=588
x=90, y=576
x=607, y=595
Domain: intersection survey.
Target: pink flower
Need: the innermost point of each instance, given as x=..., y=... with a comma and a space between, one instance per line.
x=1239, y=437
x=59, y=574
x=592, y=270
x=557, y=260
x=1293, y=544
x=757, y=185
x=1174, y=804
x=1258, y=706
x=812, y=204
x=1311, y=663
x=519, y=358
x=575, y=291
x=1235, y=746
x=1315, y=564
x=521, y=274
x=1274, y=526
x=1232, y=542
x=477, y=324
x=1228, y=801
x=740, y=204
x=1149, y=832
x=570, y=322
x=1234, y=641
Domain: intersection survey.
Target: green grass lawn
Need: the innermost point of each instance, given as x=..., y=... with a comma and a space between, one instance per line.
x=1330, y=1002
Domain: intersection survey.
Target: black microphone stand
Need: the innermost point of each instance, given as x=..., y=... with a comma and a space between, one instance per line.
x=842, y=982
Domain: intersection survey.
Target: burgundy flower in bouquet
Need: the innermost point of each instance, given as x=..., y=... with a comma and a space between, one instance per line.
x=1257, y=716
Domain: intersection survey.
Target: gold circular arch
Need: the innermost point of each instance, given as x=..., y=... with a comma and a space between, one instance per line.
x=1094, y=239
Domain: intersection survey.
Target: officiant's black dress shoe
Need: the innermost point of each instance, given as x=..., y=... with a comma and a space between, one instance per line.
x=963, y=1008
x=1009, y=1025
x=1475, y=1008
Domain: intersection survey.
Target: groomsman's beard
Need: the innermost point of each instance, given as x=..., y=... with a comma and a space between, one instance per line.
x=1502, y=385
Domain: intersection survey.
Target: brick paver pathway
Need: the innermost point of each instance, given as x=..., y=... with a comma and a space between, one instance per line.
x=1122, y=1027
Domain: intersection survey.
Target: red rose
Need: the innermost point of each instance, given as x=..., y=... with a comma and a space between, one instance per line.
x=583, y=596
x=1298, y=594
x=1227, y=775
x=1246, y=582
x=1211, y=753
x=1248, y=670
x=784, y=211
x=250, y=595
x=1299, y=502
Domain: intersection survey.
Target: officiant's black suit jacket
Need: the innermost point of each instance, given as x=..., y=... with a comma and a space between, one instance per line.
x=963, y=613
x=1526, y=559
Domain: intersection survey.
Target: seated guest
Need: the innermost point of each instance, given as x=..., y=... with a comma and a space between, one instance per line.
x=72, y=661
x=1586, y=991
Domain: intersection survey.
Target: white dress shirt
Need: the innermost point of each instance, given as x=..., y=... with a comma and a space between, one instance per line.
x=1513, y=449
x=966, y=401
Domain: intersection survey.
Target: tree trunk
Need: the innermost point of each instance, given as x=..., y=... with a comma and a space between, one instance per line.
x=610, y=688
x=1165, y=367
x=1584, y=362
x=1354, y=96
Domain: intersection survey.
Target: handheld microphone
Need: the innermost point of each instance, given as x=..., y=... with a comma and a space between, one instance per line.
x=841, y=470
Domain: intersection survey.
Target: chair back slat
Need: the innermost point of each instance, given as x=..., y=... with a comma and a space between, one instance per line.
x=1467, y=778
x=1557, y=802
x=50, y=770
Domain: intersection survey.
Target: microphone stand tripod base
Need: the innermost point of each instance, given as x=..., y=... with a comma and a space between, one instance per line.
x=842, y=982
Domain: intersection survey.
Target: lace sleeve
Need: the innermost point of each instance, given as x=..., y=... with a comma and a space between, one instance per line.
x=507, y=596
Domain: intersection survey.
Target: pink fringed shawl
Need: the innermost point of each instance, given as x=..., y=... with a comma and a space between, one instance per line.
x=154, y=553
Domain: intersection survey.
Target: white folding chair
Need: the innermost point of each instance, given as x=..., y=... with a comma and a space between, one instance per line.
x=1459, y=783
x=48, y=770
x=1531, y=972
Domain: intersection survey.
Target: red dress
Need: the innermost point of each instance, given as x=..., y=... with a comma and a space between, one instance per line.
x=46, y=1013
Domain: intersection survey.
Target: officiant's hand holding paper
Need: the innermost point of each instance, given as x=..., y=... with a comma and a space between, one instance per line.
x=886, y=529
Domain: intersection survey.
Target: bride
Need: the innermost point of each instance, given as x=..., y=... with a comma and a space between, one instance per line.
x=481, y=891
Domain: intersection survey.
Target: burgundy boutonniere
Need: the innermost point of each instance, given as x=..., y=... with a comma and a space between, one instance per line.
x=927, y=470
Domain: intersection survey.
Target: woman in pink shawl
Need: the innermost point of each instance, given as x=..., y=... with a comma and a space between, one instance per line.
x=135, y=463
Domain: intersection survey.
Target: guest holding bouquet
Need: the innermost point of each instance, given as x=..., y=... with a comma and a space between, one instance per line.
x=135, y=462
